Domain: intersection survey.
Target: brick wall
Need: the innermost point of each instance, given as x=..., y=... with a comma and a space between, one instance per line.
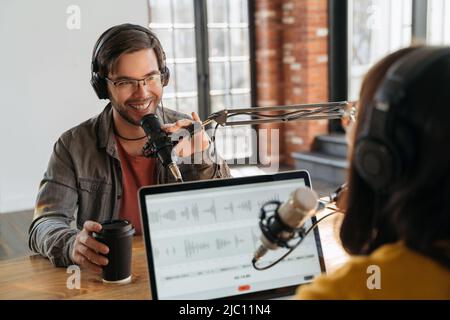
x=292, y=65
x=269, y=67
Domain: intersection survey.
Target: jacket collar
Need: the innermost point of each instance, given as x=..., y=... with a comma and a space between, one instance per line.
x=105, y=132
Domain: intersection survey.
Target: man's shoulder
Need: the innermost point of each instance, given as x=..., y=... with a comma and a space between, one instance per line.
x=85, y=132
x=85, y=128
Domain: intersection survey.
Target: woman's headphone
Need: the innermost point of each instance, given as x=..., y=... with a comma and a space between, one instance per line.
x=377, y=158
x=98, y=82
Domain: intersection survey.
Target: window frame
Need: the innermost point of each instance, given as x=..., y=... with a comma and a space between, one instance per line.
x=338, y=63
x=202, y=64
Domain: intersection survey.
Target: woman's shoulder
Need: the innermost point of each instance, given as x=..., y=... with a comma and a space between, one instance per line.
x=393, y=271
x=337, y=285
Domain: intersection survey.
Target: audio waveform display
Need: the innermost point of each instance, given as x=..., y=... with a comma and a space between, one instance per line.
x=217, y=245
x=207, y=211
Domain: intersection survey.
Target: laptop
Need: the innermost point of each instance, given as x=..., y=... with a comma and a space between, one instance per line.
x=200, y=238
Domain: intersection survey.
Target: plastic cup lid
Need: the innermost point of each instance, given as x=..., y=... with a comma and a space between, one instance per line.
x=116, y=227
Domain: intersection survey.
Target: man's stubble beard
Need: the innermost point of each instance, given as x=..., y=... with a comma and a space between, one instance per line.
x=122, y=111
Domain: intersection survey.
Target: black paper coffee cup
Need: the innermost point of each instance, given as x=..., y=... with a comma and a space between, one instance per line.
x=118, y=236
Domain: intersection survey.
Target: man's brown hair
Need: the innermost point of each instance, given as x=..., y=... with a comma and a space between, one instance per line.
x=125, y=38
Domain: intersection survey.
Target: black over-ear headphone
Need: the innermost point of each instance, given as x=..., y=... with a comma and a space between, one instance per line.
x=98, y=82
x=377, y=158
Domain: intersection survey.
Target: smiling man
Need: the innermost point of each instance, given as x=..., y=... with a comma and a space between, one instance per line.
x=97, y=167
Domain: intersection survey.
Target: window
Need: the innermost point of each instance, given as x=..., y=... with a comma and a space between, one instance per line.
x=229, y=68
x=438, y=28
x=226, y=65
x=229, y=59
x=174, y=25
x=376, y=28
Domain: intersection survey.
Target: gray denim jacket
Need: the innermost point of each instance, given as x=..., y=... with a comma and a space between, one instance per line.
x=84, y=176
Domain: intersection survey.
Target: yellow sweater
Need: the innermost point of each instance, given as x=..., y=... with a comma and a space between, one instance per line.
x=402, y=274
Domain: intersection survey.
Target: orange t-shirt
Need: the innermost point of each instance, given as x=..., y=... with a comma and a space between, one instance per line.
x=137, y=171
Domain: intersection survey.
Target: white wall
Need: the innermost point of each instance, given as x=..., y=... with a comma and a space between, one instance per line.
x=44, y=83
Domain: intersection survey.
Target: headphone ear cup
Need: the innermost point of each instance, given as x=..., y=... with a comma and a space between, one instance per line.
x=375, y=163
x=165, y=74
x=99, y=86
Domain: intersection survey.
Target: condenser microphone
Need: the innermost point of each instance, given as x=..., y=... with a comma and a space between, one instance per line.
x=288, y=218
x=160, y=143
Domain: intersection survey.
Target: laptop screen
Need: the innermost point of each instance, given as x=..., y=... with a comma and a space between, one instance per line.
x=201, y=240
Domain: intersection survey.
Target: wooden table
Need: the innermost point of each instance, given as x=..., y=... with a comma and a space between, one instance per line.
x=34, y=277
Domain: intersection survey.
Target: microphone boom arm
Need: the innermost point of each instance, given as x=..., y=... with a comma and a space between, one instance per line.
x=319, y=111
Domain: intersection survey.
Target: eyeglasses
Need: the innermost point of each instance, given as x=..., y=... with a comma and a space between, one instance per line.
x=131, y=85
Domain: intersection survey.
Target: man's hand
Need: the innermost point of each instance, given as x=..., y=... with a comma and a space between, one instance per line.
x=86, y=249
x=188, y=146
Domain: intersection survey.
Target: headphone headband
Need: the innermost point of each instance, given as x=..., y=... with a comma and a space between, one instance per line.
x=405, y=71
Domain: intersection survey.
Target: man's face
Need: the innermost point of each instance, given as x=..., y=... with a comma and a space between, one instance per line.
x=133, y=104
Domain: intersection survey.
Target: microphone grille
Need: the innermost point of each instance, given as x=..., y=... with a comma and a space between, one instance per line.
x=306, y=199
